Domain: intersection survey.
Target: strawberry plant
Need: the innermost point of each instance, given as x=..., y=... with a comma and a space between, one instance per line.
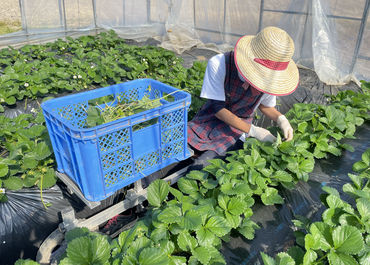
x=189, y=224
x=363, y=166
x=182, y=226
x=342, y=236
x=360, y=186
x=318, y=131
x=87, y=62
x=25, y=153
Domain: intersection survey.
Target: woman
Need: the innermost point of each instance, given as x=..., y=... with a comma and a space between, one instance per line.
x=236, y=84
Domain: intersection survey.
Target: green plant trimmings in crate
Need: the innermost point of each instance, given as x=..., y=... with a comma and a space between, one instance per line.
x=110, y=111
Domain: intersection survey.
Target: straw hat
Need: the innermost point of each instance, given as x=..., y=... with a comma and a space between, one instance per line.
x=265, y=61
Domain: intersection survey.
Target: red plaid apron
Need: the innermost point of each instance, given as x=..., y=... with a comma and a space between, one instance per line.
x=206, y=132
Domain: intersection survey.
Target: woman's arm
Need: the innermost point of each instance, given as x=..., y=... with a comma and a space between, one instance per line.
x=231, y=119
x=270, y=112
x=253, y=131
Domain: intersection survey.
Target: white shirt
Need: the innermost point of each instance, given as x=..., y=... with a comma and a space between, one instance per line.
x=213, y=84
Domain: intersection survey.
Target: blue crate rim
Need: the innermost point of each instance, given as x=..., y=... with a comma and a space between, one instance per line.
x=116, y=125
x=48, y=109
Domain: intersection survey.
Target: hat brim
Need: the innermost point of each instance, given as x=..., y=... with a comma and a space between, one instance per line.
x=273, y=82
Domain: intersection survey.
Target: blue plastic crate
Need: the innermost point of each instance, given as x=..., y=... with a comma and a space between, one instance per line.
x=108, y=157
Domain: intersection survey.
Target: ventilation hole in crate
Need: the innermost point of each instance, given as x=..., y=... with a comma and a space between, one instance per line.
x=156, y=93
x=147, y=161
x=125, y=171
x=106, y=142
x=115, y=176
x=108, y=161
x=114, y=140
x=122, y=137
x=81, y=123
x=80, y=114
x=74, y=113
x=173, y=134
x=102, y=100
x=129, y=95
x=65, y=112
x=172, y=118
x=152, y=93
x=172, y=150
x=144, y=124
x=121, y=97
x=124, y=154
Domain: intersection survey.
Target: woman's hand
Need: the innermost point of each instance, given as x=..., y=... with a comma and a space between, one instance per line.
x=285, y=126
x=261, y=134
x=281, y=120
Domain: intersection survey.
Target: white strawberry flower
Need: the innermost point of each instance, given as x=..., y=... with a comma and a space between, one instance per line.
x=74, y=77
x=26, y=84
x=79, y=76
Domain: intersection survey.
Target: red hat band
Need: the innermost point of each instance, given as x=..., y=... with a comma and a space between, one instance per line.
x=273, y=65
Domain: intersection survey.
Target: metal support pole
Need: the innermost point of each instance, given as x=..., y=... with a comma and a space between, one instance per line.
x=124, y=12
x=304, y=29
x=219, y=32
x=224, y=24
x=360, y=35
x=64, y=16
x=23, y=16
x=363, y=57
x=262, y=6
x=95, y=16
x=303, y=13
x=148, y=16
x=61, y=15
x=194, y=16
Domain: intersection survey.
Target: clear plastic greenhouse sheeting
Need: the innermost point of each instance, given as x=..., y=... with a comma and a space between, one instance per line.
x=331, y=37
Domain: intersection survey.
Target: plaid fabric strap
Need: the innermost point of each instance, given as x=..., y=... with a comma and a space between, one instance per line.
x=205, y=131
